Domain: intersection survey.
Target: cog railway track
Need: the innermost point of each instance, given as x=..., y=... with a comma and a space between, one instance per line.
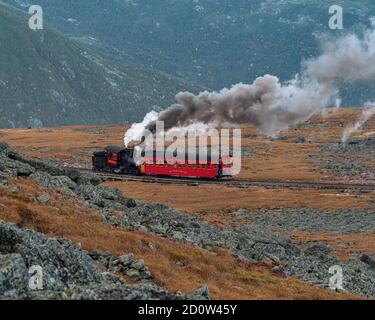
x=230, y=182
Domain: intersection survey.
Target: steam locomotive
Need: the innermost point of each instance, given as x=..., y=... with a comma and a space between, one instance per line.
x=120, y=160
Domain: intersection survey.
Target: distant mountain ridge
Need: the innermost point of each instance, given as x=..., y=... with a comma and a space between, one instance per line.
x=214, y=43
x=47, y=79
x=105, y=66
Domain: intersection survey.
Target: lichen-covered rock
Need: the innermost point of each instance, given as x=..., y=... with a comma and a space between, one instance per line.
x=4, y=146
x=43, y=198
x=102, y=198
x=67, y=271
x=255, y=241
x=368, y=259
x=73, y=274
x=202, y=292
x=13, y=274
x=53, y=182
x=300, y=139
x=126, y=264
x=41, y=165
x=13, y=168
x=88, y=178
x=131, y=203
x=19, y=165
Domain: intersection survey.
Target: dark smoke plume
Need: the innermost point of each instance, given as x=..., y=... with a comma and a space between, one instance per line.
x=268, y=104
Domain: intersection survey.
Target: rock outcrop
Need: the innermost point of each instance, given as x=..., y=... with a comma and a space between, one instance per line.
x=68, y=272
x=252, y=241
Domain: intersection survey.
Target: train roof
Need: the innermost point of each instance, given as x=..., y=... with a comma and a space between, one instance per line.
x=115, y=149
x=161, y=155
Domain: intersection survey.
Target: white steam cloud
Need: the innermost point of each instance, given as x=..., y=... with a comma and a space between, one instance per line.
x=134, y=134
x=365, y=116
x=268, y=104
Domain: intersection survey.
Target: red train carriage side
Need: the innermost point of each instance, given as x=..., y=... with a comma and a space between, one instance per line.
x=196, y=169
x=120, y=160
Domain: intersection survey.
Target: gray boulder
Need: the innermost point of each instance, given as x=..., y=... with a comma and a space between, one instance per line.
x=4, y=146
x=53, y=182
x=368, y=259
x=67, y=271
x=300, y=140
x=13, y=273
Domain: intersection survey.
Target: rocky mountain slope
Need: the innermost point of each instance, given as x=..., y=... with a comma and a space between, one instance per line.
x=47, y=79
x=251, y=241
x=214, y=43
x=68, y=272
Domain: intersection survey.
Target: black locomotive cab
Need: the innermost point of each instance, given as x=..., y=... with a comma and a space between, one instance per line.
x=114, y=159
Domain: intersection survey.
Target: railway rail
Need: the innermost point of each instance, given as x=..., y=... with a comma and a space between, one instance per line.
x=230, y=182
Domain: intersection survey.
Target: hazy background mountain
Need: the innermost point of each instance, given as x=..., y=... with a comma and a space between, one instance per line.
x=48, y=79
x=212, y=43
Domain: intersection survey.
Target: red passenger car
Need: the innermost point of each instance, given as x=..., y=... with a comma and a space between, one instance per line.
x=188, y=168
x=120, y=160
